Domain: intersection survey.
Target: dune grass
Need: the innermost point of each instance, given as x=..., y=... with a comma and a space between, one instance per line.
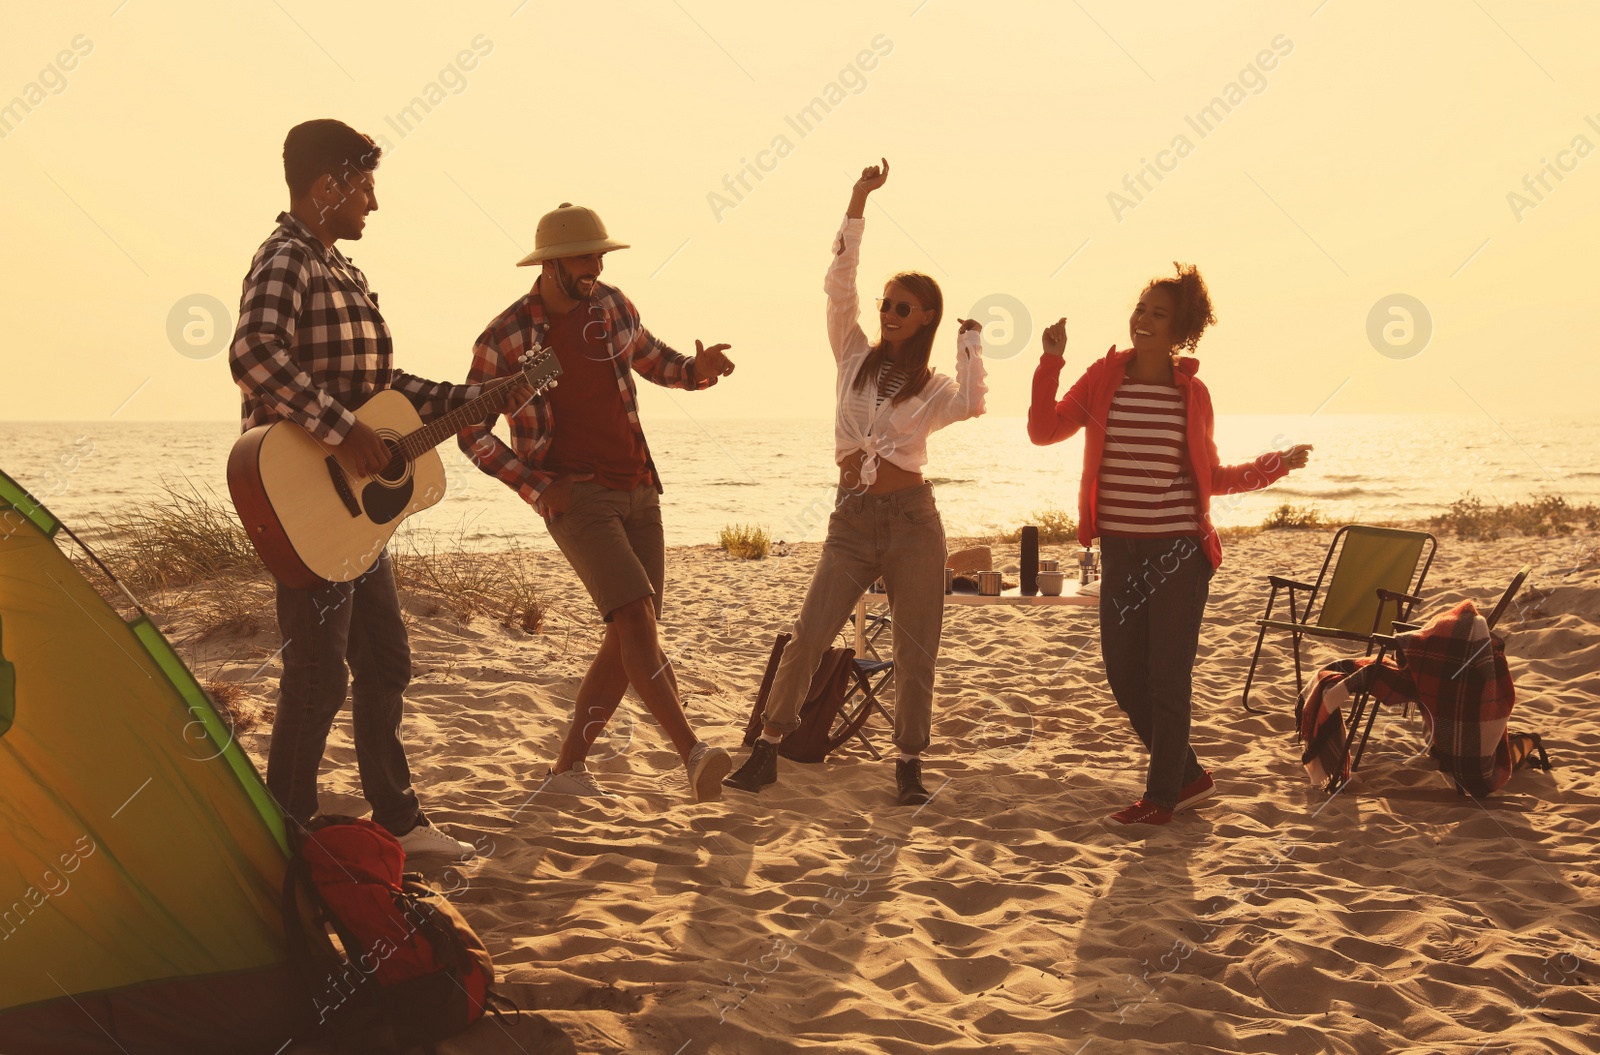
x=187, y=535
x=189, y=539
x=1471, y=518
x=1056, y=527
x=469, y=584
x=232, y=705
x=1294, y=517
x=746, y=541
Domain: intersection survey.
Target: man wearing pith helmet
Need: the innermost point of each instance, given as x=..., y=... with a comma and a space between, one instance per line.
x=578, y=455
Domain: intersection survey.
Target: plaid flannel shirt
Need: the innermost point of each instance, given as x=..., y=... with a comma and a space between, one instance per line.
x=311, y=345
x=522, y=327
x=1455, y=670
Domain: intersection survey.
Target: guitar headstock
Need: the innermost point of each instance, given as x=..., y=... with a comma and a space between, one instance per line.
x=540, y=368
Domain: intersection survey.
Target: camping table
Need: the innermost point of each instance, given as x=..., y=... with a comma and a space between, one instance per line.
x=1013, y=597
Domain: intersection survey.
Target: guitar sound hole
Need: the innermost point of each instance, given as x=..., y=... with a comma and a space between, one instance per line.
x=395, y=471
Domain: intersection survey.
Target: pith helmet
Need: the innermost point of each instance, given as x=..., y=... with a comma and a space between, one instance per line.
x=571, y=230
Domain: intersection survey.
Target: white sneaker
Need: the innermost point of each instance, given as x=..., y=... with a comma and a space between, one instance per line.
x=575, y=781
x=425, y=840
x=707, y=766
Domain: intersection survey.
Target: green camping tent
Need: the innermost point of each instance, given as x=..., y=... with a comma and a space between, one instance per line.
x=141, y=856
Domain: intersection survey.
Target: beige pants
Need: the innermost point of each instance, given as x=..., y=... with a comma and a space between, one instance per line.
x=900, y=537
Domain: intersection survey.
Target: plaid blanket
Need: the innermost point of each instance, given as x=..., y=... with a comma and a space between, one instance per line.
x=1455, y=670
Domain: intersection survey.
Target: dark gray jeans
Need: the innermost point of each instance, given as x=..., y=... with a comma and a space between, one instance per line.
x=360, y=622
x=1152, y=600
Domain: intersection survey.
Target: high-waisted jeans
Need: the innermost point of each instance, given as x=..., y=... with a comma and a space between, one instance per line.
x=1152, y=599
x=900, y=537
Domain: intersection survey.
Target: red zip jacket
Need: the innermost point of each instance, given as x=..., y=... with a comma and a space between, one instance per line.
x=1089, y=401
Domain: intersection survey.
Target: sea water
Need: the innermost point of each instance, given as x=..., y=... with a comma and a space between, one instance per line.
x=779, y=474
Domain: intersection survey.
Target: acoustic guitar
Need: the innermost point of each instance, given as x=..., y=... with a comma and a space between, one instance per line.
x=313, y=523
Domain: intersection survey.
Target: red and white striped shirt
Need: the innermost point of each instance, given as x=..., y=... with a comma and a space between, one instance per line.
x=1146, y=487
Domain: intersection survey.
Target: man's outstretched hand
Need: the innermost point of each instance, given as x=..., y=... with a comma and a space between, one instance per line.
x=710, y=362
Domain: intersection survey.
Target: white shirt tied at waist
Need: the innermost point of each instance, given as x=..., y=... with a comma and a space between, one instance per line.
x=897, y=433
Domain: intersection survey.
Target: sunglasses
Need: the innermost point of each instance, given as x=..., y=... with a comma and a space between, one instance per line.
x=899, y=307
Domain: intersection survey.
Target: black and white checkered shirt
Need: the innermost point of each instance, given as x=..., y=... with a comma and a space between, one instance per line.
x=311, y=345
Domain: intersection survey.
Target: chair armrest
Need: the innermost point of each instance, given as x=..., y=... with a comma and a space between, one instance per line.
x=1312, y=630
x=1390, y=595
x=1406, y=628
x=1280, y=581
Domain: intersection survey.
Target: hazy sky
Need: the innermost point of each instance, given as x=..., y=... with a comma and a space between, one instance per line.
x=1436, y=150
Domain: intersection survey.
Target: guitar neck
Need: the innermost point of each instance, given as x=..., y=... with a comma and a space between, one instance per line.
x=414, y=444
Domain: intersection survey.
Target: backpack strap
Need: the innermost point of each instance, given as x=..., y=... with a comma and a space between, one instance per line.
x=502, y=1007
x=312, y=967
x=360, y=1026
x=753, y=727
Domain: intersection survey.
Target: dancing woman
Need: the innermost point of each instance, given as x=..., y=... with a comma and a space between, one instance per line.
x=1150, y=467
x=884, y=521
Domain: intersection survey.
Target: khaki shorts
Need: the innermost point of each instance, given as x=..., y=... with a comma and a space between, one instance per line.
x=614, y=541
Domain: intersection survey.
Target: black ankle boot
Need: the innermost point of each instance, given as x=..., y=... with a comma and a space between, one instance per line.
x=908, y=775
x=759, y=770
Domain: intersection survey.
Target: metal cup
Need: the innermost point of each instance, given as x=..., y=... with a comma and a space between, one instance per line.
x=949, y=580
x=1049, y=565
x=989, y=583
x=1050, y=583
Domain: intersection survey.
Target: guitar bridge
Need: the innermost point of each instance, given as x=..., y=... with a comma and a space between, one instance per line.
x=342, y=485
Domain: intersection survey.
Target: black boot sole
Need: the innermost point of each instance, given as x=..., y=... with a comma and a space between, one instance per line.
x=732, y=782
x=740, y=782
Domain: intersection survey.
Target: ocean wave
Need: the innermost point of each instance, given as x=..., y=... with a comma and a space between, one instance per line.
x=1334, y=492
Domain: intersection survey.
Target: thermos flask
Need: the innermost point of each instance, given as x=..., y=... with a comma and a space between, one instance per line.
x=1030, y=561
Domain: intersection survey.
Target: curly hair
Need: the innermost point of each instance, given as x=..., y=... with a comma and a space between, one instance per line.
x=1191, y=312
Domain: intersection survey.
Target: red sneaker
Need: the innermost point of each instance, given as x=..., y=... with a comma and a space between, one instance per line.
x=1202, y=788
x=1143, y=812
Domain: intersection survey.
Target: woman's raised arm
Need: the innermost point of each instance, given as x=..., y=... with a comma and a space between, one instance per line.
x=844, y=303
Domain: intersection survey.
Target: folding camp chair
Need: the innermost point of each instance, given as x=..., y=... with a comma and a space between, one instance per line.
x=1364, y=705
x=871, y=675
x=1373, y=568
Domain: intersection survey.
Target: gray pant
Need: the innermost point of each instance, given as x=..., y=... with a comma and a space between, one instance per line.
x=328, y=634
x=1152, y=601
x=900, y=537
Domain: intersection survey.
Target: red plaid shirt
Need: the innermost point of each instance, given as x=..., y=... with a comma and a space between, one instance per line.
x=523, y=327
x=1455, y=670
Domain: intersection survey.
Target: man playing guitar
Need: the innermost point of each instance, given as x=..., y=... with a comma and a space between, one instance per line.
x=311, y=347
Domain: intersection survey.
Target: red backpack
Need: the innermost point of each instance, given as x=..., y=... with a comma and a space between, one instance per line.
x=412, y=970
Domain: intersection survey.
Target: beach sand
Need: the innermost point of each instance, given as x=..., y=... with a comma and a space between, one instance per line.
x=1008, y=915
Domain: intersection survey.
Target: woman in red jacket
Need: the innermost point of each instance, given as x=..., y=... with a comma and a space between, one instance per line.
x=1150, y=467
